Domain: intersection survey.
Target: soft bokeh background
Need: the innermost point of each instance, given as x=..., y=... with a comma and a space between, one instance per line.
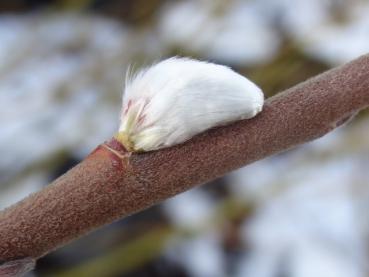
x=301, y=213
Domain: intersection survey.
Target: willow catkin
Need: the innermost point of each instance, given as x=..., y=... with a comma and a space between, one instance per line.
x=175, y=99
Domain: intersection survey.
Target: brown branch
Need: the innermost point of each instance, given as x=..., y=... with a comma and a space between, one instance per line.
x=111, y=183
x=16, y=268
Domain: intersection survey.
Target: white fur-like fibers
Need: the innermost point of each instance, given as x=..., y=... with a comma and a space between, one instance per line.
x=173, y=100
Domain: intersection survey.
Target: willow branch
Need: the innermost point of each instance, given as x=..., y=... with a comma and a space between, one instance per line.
x=112, y=183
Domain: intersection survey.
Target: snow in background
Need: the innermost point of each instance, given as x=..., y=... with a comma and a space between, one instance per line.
x=61, y=78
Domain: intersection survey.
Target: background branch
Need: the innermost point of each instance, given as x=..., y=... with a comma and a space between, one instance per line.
x=112, y=183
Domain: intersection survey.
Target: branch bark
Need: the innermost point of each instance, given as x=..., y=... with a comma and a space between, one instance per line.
x=112, y=183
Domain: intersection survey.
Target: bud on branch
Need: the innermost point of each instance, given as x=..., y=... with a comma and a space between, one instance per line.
x=112, y=183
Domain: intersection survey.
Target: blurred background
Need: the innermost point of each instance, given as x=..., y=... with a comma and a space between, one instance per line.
x=301, y=213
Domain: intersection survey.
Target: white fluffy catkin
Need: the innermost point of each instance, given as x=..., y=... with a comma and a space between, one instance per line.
x=175, y=99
